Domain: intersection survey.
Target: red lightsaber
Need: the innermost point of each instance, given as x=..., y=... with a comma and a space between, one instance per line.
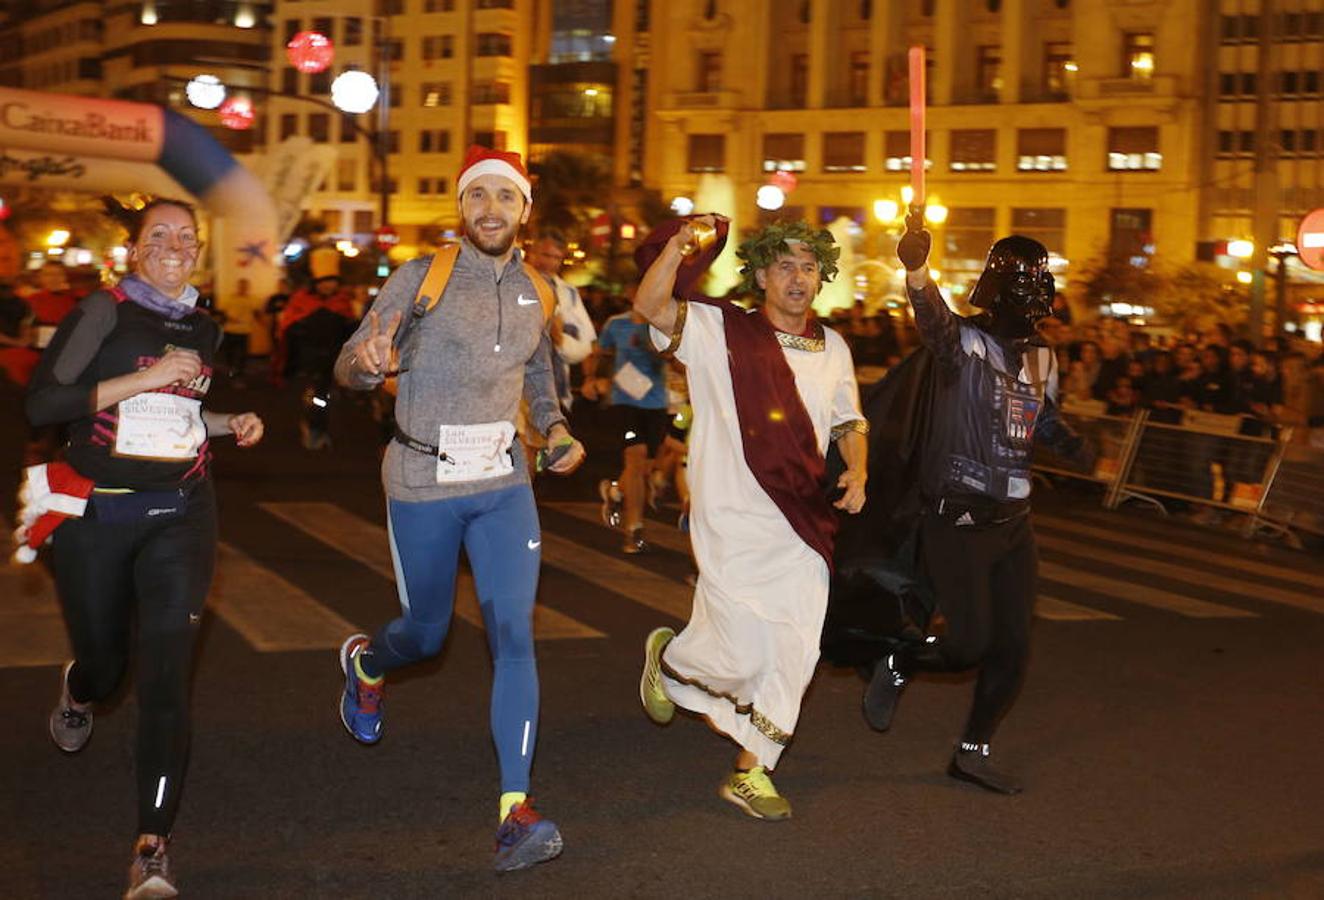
x=917, y=156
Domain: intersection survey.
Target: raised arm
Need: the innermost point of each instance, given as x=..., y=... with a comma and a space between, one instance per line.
x=653, y=300
x=937, y=325
x=371, y=353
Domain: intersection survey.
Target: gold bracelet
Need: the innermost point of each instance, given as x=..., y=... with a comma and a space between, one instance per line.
x=682, y=309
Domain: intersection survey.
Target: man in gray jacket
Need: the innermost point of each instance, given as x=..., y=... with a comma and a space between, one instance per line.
x=454, y=475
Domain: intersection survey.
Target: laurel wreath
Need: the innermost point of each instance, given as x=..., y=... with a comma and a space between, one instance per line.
x=774, y=241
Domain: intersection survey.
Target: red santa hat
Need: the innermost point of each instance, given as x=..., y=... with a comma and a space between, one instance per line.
x=50, y=495
x=483, y=161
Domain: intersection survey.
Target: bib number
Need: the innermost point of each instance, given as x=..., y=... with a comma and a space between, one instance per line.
x=160, y=426
x=474, y=452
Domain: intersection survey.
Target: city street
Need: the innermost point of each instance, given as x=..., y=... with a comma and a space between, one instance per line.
x=1168, y=732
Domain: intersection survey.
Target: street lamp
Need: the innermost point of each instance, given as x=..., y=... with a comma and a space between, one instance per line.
x=354, y=92
x=357, y=93
x=205, y=92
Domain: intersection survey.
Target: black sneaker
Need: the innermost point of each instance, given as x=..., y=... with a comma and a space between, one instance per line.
x=970, y=764
x=635, y=543
x=71, y=724
x=882, y=694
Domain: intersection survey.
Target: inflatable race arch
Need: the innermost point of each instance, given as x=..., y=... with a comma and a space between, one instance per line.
x=106, y=146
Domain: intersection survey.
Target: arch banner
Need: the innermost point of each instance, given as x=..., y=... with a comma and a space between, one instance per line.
x=102, y=145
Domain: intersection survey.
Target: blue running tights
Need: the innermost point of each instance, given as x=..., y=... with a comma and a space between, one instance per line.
x=500, y=533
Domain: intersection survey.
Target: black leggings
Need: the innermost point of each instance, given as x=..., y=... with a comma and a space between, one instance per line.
x=984, y=582
x=162, y=569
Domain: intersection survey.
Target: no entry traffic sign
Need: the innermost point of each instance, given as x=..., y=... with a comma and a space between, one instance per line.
x=1310, y=240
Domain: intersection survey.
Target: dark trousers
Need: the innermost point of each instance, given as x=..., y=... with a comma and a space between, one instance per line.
x=984, y=583
x=105, y=572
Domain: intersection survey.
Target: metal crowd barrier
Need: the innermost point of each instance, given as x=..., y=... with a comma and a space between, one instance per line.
x=1295, y=496
x=1109, y=437
x=1202, y=460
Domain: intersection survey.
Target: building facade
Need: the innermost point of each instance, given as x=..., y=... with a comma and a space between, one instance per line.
x=452, y=72
x=1074, y=121
x=143, y=50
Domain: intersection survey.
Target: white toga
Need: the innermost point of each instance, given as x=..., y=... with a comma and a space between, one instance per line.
x=750, y=648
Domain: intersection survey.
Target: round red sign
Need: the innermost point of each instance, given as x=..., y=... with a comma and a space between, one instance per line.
x=386, y=237
x=310, y=51
x=1310, y=240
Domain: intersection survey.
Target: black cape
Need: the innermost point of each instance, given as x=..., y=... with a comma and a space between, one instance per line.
x=880, y=596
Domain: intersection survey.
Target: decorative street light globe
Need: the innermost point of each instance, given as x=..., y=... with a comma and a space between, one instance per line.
x=770, y=197
x=237, y=113
x=205, y=92
x=354, y=91
x=785, y=181
x=310, y=51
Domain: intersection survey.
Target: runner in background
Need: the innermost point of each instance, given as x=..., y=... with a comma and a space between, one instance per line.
x=638, y=393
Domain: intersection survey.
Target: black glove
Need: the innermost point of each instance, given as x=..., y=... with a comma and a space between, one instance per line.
x=913, y=248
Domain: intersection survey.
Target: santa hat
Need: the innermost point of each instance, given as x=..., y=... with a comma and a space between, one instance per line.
x=50, y=494
x=482, y=161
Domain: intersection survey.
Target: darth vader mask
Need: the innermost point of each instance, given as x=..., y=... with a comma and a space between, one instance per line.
x=1015, y=290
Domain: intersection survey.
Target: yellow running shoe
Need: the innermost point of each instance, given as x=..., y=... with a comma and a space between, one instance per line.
x=754, y=792
x=651, y=692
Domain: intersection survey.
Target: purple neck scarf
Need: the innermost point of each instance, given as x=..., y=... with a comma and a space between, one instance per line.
x=146, y=296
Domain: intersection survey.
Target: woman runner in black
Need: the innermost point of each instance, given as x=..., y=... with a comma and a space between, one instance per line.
x=128, y=371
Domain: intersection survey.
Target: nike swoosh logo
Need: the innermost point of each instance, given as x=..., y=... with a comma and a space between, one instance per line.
x=534, y=545
x=525, y=301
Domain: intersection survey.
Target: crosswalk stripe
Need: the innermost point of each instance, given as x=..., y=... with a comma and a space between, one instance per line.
x=632, y=582
x=270, y=612
x=31, y=626
x=367, y=543
x=1056, y=610
x=1139, y=593
x=1173, y=548
x=662, y=535
x=1249, y=589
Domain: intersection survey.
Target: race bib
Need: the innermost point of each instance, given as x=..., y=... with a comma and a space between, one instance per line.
x=160, y=426
x=635, y=383
x=41, y=339
x=474, y=452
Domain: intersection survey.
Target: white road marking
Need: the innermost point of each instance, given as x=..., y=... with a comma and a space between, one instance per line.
x=366, y=542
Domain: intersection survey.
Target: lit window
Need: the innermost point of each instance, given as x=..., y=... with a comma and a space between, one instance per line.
x=1138, y=55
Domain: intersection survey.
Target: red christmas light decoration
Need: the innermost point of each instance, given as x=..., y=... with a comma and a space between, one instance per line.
x=237, y=113
x=784, y=180
x=310, y=51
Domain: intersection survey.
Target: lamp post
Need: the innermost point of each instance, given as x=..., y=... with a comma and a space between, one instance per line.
x=1282, y=253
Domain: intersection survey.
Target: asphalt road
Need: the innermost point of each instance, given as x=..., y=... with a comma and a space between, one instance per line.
x=1168, y=731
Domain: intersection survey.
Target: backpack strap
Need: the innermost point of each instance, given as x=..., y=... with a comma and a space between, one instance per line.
x=434, y=282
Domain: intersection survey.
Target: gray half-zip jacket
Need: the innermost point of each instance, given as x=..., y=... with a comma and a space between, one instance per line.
x=467, y=362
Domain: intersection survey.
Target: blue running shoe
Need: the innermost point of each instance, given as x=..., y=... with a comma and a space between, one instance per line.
x=525, y=839
x=361, y=703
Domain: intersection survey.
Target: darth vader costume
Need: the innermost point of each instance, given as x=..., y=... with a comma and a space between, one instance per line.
x=946, y=528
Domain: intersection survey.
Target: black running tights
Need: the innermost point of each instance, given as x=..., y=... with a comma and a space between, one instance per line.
x=161, y=570
x=984, y=580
